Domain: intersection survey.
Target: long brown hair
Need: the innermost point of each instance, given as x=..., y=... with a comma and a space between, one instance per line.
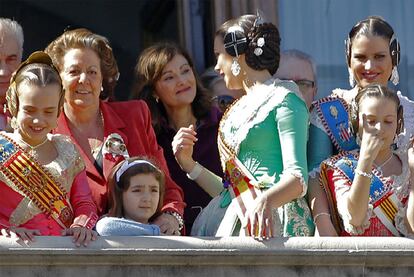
x=116, y=189
x=149, y=70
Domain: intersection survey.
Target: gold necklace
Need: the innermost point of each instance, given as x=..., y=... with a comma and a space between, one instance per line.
x=33, y=148
x=380, y=166
x=97, y=144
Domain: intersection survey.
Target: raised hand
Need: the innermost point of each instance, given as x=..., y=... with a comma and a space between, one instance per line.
x=182, y=145
x=372, y=140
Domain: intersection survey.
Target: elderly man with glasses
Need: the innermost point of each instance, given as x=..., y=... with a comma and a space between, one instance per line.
x=299, y=67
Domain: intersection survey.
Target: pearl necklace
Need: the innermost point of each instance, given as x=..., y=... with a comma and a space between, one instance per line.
x=33, y=148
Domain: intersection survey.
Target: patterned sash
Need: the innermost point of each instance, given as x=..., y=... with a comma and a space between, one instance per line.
x=242, y=187
x=333, y=112
x=384, y=201
x=35, y=182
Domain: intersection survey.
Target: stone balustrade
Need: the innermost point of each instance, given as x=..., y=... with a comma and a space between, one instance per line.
x=210, y=257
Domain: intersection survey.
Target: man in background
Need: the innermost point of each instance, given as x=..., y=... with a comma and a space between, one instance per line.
x=299, y=67
x=11, y=51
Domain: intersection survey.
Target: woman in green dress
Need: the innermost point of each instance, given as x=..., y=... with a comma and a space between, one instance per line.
x=263, y=135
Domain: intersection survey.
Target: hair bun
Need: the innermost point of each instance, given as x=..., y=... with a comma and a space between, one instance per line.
x=263, y=51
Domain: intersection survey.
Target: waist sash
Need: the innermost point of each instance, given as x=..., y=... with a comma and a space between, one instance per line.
x=35, y=182
x=243, y=189
x=333, y=113
x=384, y=201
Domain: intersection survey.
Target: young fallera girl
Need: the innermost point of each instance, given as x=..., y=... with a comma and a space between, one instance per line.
x=371, y=185
x=42, y=177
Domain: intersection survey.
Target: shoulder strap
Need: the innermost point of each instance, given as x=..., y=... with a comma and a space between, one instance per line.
x=333, y=112
x=384, y=201
x=34, y=181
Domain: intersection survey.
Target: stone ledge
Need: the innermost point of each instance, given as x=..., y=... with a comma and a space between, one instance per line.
x=218, y=256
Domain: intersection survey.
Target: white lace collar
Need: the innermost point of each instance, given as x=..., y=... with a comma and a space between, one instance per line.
x=253, y=108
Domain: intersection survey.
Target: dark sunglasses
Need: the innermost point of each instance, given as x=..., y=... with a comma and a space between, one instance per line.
x=223, y=101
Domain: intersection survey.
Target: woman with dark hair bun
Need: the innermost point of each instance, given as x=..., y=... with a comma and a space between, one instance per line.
x=252, y=131
x=372, y=54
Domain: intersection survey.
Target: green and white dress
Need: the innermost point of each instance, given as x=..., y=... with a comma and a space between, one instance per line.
x=267, y=129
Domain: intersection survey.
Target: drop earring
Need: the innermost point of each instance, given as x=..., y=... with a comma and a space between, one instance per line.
x=395, y=77
x=235, y=67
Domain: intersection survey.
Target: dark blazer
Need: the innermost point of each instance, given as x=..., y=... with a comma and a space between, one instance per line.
x=132, y=121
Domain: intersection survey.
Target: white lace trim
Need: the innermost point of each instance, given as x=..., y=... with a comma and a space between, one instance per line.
x=253, y=108
x=314, y=173
x=404, y=137
x=357, y=230
x=297, y=174
x=316, y=121
x=400, y=182
x=400, y=186
x=400, y=222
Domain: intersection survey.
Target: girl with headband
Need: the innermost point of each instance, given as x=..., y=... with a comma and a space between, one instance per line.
x=136, y=192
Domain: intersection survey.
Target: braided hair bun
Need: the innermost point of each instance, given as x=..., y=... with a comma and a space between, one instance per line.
x=263, y=41
x=263, y=51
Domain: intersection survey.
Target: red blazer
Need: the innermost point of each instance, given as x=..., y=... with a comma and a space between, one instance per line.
x=132, y=121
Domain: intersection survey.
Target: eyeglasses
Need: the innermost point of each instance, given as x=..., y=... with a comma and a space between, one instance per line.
x=223, y=101
x=305, y=84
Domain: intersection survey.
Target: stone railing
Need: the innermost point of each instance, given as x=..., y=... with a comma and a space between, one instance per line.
x=210, y=257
